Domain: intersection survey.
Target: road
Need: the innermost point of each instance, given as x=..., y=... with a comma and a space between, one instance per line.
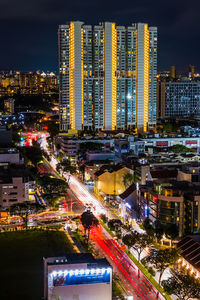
x=138, y=287
x=134, y=282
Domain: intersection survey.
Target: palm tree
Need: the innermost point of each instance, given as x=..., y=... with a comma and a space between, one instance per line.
x=128, y=179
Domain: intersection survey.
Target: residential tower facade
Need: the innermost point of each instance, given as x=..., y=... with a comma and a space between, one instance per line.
x=107, y=76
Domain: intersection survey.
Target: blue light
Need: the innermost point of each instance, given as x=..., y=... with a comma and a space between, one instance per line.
x=147, y=211
x=83, y=276
x=128, y=205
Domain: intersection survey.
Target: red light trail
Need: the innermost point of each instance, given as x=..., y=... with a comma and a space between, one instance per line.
x=139, y=287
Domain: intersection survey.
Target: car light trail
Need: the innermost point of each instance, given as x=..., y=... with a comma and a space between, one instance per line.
x=84, y=196
x=139, y=286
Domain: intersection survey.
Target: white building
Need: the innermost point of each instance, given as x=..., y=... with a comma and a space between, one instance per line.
x=77, y=277
x=190, y=142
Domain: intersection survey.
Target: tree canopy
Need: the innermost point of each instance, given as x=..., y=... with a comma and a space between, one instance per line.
x=184, y=286
x=162, y=259
x=88, y=221
x=31, y=154
x=51, y=184
x=66, y=166
x=180, y=149
x=138, y=241
x=128, y=179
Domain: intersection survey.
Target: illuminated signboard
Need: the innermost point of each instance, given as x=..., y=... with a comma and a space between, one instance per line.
x=83, y=276
x=147, y=211
x=161, y=143
x=191, y=142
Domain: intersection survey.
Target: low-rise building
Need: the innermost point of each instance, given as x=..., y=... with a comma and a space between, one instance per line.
x=77, y=276
x=190, y=173
x=190, y=142
x=5, y=137
x=9, y=106
x=141, y=173
x=188, y=157
x=15, y=181
x=10, y=155
x=109, y=180
x=190, y=254
x=100, y=155
x=90, y=168
x=69, y=147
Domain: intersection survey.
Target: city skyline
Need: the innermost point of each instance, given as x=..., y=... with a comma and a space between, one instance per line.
x=33, y=28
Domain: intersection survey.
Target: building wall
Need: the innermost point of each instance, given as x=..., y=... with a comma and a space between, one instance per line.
x=111, y=183
x=107, y=76
x=13, y=158
x=153, y=36
x=142, y=76
x=77, y=110
x=63, y=53
x=182, y=99
x=190, y=142
x=81, y=291
x=15, y=192
x=167, y=209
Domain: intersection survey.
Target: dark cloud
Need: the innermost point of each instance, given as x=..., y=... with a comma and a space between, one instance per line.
x=28, y=29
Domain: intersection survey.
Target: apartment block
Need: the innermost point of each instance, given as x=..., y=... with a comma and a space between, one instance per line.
x=107, y=76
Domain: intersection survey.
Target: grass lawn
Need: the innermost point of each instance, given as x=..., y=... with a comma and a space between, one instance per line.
x=21, y=255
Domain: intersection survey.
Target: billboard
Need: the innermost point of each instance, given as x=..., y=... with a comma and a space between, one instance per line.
x=191, y=142
x=162, y=143
x=80, y=284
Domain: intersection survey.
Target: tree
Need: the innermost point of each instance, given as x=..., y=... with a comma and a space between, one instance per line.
x=52, y=199
x=104, y=218
x=51, y=184
x=53, y=128
x=183, y=286
x=128, y=240
x=140, y=242
x=32, y=154
x=118, y=231
x=66, y=166
x=168, y=127
x=171, y=231
x=46, y=155
x=90, y=146
x=88, y=221
x=180, y=149
x=53, y=188
x=24, y=209
x=113, y=223
x=59, y=167
x=159, y=229
x=148, y=227
x=162, y=259
x=128, y=179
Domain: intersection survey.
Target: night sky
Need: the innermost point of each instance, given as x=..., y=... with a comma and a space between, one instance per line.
x=28, y=28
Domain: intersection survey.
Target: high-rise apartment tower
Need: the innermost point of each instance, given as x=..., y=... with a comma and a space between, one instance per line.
x=107, y=76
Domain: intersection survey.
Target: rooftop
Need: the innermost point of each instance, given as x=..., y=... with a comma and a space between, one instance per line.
x=164, y=173
x=109, y=168
x=77, y=258
x=128, y=191
x=190, y=247
x=8, y=151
